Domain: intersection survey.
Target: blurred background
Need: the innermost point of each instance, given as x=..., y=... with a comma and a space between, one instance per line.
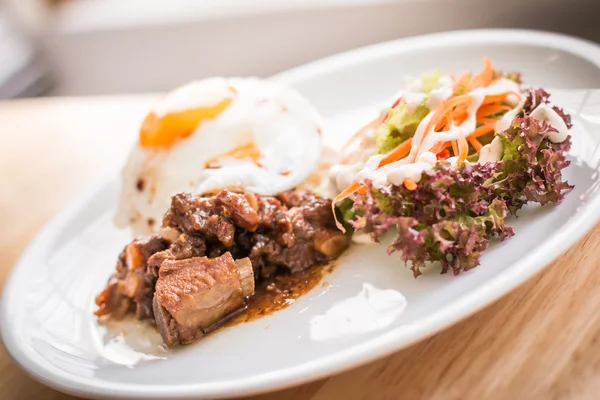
x=97, y=47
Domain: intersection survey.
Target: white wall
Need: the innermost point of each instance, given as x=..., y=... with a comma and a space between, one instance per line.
x=153, y=51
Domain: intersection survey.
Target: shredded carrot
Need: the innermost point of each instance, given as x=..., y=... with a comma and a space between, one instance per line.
x=485, y=77
x=444, y=109
x=492, y=109
x=454, y=111
x=463, y=149
x=455, y=147
x=461, y=83
x=362, y=132
x=498, y=98
x=444, y=124
x=486, y=120
x=349, y=191
x=410, y=184
x=475, y=143
x=396, y=153
x=483, y=130
x=460, y=113
x=440, y=147
x=441, y=125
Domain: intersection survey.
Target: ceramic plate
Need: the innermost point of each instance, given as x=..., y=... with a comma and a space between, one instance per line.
x=357, y=314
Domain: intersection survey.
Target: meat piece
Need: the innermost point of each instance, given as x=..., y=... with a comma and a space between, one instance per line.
x=240, y=208
x=113, y=302
x=302, y=236
x=269, y=208
x=190, y=282
x=199, y=216
x=213, y=217
x=196, y=294
x=131, y=287
x=315, y=209
x=185, y=246
x=293, y=230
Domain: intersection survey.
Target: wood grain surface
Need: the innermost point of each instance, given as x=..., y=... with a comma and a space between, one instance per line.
x=542, y=341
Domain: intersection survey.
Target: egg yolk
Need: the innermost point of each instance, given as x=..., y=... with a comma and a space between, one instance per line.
x=248, y=151
x=165, y=130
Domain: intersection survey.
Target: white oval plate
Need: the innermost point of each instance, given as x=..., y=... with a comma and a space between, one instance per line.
x=46, y=316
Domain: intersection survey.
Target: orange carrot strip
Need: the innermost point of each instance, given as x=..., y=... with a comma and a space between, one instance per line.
x=463, y=149
x=443, y=123
x=475, y=143
x=448, y=122
x=484, y=78
x=461, y=83
x=455, y=147
x=483, y=130
x=396, y=153
x=446, y=107
x=441, y=113
x=492, y=109
x=498, y=98
x=460, y=113
x=361, y=133
x=349, y=191
x=439, y=147
x=410, y=184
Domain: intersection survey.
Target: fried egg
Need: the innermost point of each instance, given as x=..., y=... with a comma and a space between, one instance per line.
x=243, y=133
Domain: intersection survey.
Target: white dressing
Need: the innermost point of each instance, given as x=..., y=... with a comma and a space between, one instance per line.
x=457, y=131
x=544, y=112
x=412, y=84
x=440, y=93
x=432, y=138
x=504, y=85
x=395, y=173
x=491, y=152
x=398, y=174
x=421, y=158
x=370, y=172
x=342, y=176
x=507, y=119
x=419, y=134
x=428, y=157
x=413, y=100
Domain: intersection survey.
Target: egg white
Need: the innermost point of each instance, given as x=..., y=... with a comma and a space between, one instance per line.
x=283, y=125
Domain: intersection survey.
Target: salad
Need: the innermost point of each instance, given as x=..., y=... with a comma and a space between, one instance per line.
x=447, y=162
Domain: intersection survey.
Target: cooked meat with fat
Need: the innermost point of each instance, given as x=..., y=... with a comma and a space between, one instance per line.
x=131, y=287
x=194, y=294
x=292, y=230
x=289, y=233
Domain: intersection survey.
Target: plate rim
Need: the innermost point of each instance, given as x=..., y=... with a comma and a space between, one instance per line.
x=376, y=348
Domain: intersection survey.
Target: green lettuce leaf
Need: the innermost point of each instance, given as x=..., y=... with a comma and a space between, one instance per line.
x=400, y=125
x=455, y=211
x=430, y=80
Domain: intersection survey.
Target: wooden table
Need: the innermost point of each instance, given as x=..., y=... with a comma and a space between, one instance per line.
x=540, y=342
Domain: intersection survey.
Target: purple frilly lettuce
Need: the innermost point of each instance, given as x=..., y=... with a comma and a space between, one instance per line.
x=455, y=211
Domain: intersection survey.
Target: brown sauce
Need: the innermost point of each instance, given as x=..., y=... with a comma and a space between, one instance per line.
x=278, y=292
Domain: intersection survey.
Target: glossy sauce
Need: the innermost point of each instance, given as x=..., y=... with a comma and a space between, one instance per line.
x=278, y=292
